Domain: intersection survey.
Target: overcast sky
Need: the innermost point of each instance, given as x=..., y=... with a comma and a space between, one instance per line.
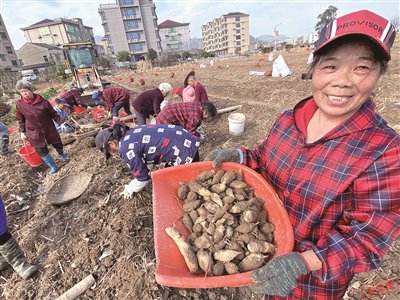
x=292, y=17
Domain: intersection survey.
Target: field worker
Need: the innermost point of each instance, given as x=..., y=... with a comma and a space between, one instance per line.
x=146, y=145
x=61, y=110
x=200, y=94
x=335, y=164
x=188, y=93
x=115, y=99
x=73, y=98
x=10, y=252
x=148, y=103
x=187, y=115
x=4, y=140
x=35, y=117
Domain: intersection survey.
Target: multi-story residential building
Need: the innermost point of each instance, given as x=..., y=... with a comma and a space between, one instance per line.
x=37, y=56
x=175, y=37
x=8, y=57
x=228, y=34
x=58, y=32
x=131, y=25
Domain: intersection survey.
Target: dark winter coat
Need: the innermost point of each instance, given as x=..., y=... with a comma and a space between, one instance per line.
x=36, y=120
x=148, y=103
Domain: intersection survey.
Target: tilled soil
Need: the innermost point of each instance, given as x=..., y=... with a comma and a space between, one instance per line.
x=102, y=234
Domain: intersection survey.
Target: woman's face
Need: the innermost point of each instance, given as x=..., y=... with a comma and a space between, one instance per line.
x=344, y=79
x=26, y=93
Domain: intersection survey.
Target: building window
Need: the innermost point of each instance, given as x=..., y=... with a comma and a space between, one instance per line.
x=126, y=2
x=71, y=28
x=48, y=40
x=3, y=35
x=111, y=49
x=136, y=47
x=238, y=43
x=14, y=63
x=237, y=25
x=174, y=47
x=44, y=30
x=2, y=57
x=72, y=38
x=9, y=50
x=238, y=31
x=155, y=22
x=172, y=30
x=237, y=19
x=153, y=11
x=131, y=25
x=133, y=36
x=106, y=29
x=129, y=12
x=21, y=62
x=238, y=37
x=173, y=38
x=109, y=38
x=45, y=58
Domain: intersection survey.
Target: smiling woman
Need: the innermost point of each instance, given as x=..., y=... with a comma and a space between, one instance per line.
x=335, y=164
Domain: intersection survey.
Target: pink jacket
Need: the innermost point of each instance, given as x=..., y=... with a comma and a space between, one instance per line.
x=188, y=94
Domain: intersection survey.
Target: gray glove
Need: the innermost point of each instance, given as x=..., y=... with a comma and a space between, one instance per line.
x=279, y=276
x=222, y=155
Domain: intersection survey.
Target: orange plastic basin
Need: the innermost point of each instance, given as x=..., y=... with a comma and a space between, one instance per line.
x=171, y=269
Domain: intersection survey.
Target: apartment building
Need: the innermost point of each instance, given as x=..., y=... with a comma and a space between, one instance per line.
x=39, y=56
x=131, y=25
x=8, y=57
x=175, y=36
x=228, y=34
x=58, y=32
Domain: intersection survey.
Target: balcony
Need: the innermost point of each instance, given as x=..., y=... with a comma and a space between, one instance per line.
x=130, y=17
x=135, y=40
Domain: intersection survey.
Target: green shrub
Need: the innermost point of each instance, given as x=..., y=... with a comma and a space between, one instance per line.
x=47, y=93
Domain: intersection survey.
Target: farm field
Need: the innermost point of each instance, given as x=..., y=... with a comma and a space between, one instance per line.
x=67, y=241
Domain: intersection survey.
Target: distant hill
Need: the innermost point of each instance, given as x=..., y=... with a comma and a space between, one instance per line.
x=270, y=38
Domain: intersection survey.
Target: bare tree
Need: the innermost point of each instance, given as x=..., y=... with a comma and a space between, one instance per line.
x=327, y=16
x=396, y=21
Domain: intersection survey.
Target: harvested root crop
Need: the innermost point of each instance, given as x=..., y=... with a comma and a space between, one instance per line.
x=185, y=249
x=229, y=227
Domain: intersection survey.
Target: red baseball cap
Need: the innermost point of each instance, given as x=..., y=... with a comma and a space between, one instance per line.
x=363, y=22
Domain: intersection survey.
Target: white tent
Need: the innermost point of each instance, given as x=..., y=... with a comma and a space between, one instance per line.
x=280, y=68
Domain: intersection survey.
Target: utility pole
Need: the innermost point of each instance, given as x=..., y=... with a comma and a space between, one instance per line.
x=276, y=36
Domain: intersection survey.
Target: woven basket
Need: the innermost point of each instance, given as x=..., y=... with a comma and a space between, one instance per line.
x=68, y=188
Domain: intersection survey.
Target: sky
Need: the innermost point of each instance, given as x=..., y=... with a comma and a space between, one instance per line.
x=292, y=18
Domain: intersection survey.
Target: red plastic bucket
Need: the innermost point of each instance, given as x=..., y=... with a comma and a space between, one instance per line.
x=124, y=114
x=29, y=154
x=98, y=113
x=79, y=109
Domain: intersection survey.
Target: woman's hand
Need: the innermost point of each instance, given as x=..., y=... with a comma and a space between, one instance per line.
x=279, y=276
x=223, y=155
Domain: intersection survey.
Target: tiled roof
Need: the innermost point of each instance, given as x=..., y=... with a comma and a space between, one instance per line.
x=169, y=23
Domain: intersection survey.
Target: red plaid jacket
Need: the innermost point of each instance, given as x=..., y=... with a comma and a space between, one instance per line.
x=72, y=97
x=114, y=95
x=184, y=114
x=342, y=193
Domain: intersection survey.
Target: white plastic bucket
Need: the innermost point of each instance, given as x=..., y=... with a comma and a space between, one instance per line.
x=236, y=123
